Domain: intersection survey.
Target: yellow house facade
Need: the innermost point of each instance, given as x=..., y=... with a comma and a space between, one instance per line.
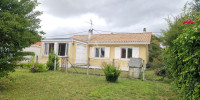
x=97, y=49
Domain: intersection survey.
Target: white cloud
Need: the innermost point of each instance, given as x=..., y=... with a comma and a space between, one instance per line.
x=50, y=23
x=71, y=16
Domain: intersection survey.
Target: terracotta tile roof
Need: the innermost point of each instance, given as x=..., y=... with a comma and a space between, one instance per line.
x=118, y=37
x=37, y=43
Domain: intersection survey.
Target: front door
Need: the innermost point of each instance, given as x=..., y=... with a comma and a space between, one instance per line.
x=81, y=54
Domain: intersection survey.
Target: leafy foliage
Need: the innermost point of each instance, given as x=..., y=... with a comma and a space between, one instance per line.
x=175, y=28
x=156, y=57
x=155, y=53
x=154, y=48
x=19, y=29
x=185, y=67
x=29, y=64
x=195, y=5
x=26, y=65
x=39, y=67
x=111, y=73
x=181, y=54
x=34, y=66
x=50, y=62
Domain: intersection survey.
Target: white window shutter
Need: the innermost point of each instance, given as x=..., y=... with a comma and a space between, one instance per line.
x=135, y=52
x=107, y=52
x=117, y=52
x=92, y=52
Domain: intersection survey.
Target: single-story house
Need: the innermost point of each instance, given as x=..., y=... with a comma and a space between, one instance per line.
x=100, y=48
x=33, y=48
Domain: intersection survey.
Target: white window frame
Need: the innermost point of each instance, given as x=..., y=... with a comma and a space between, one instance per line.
x=65, y=48
x=99, y=52
x=126, y=58
x=48, y=48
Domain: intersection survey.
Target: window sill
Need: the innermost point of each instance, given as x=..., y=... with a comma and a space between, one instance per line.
x=45, y=55
x=100, y=58
x=125, y=59
x=62, y=56
x=58, y=56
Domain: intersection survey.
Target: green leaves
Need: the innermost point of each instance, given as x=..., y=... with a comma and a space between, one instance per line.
x=186, y=67
x=18, y=29
x=111, y=73
x=50, y=62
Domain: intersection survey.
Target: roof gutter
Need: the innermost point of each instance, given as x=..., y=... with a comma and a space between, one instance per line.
x=119, y=43
x=73, y=39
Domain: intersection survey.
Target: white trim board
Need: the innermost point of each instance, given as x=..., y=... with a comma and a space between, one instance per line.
x=73, y=39
x=63, y=40
x=122, y=43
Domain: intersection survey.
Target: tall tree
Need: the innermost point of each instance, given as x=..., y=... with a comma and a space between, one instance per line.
x=19, y=28
x=195, y=5
x=185, y=67
x=156, y=56
x=175, y=28
x=181, y=54
x=155, y=49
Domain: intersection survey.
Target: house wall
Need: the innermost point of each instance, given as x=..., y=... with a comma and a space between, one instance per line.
x=72, y=51
x=72, y=55
x=44, y=59
x=118, y=62
x=32, y=48
x=95, y=61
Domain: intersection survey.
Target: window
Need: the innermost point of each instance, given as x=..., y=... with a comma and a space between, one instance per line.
x=129, y=52
x=123, y=54
x=126, y=53
x=62, y=49
x=100, y=52
x=48, y=48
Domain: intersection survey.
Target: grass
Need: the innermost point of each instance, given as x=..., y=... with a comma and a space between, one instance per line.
x=94, y=71
x=61, y=86
x=149, y=74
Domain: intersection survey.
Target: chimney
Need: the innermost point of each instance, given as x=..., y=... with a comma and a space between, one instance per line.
x=90, y=33
x=144, y=30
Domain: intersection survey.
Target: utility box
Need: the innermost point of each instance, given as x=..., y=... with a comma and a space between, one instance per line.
x=135, y=67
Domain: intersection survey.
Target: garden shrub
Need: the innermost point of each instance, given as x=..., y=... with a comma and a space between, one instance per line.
x=157, y=64
x=161, y=72
x=50, y=62
x=29, y=64
x=185, y=64
x=111, y=72
x=26, y=65
x=39, y=67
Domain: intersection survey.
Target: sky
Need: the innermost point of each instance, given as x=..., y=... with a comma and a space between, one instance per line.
x=63, y=18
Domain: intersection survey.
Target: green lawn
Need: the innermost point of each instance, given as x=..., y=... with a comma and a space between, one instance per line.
x=149, y=74
x=60, y=86
x=99, y=72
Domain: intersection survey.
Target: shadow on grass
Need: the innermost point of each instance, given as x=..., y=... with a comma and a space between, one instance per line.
x=6, y=82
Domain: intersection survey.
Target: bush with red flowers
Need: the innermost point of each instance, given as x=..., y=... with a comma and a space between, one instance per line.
x=188, y=22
